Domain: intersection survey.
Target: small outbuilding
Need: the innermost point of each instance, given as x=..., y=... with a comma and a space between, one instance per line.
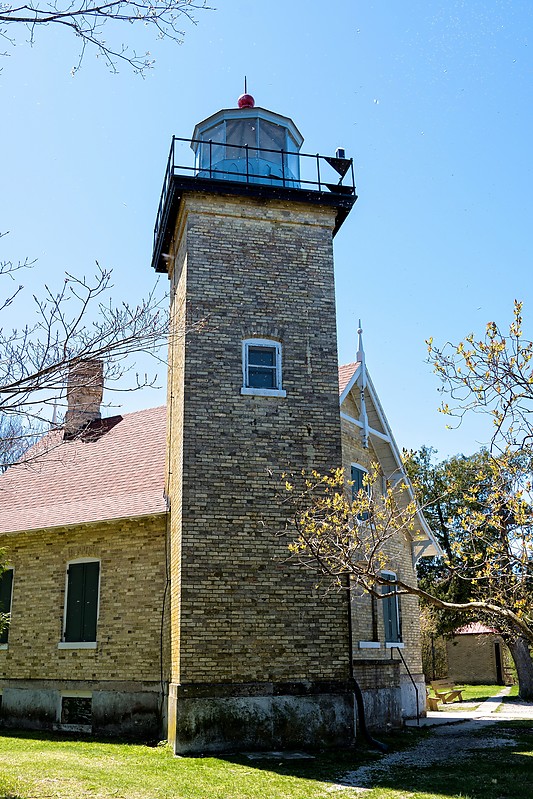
x=478, y=655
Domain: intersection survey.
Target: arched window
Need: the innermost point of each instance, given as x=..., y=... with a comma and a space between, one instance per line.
x=357, y=476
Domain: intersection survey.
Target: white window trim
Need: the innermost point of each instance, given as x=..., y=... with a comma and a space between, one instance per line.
x=358, y=466
x=262, y=392
x=394, y=645
x=79, y=644
x=369, y=644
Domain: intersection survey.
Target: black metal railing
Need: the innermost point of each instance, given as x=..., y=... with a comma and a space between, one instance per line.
x=316, y=173
x=399, y=651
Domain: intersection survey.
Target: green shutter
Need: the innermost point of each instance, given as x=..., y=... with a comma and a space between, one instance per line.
x=391, y=619
x=92, y=572
x=6, y=584
x=82, y=601
x=357, y=480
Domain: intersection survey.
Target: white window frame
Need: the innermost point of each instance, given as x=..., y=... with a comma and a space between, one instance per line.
x=79, y=644
x=355, y=465
x=262, y=392
x=361, y=468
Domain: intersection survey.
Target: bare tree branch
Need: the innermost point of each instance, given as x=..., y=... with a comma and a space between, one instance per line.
x=89, y=21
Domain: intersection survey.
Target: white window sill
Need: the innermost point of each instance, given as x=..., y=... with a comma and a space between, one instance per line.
x=369, y=644
x=4, y=646
x=264, y=392
x=77, y=645
x=394, y=645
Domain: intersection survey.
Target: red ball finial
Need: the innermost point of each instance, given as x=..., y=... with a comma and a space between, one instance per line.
x=246, y=101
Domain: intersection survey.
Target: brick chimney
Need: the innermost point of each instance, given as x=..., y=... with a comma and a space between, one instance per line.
x=85, y=389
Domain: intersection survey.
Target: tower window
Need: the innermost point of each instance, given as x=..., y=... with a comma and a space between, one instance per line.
x=261, y=368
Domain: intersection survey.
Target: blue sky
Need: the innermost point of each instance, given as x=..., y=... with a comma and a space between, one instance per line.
x=432, y=99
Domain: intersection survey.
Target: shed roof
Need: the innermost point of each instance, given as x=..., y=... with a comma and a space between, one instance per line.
x=475, y=628
x=115, y=471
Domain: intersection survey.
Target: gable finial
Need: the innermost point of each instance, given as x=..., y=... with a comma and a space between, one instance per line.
x=360, y=358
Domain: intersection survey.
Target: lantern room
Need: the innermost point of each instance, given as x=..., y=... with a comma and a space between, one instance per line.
x=248, y=144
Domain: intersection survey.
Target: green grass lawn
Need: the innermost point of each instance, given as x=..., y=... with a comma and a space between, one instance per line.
x=475, y=694
x=479, y=693
x=42, y=766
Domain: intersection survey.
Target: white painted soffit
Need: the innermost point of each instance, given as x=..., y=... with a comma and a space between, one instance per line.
x=428, y=544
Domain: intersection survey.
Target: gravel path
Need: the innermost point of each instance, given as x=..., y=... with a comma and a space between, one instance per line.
x=457, y=741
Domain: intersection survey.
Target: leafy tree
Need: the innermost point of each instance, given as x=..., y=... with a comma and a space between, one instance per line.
x=479, y=508
x=486, y=573
x=492, y=375
x=101, y=26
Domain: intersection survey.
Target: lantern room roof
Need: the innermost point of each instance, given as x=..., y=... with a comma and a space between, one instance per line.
x=249, y=113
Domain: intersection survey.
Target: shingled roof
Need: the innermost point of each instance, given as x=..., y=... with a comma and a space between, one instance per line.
x=116, y=472
x=346, y=373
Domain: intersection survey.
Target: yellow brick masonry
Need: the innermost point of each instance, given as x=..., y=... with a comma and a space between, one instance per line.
x=400, y=562
x=472, y=658
x=239, y=611
x=132, y=583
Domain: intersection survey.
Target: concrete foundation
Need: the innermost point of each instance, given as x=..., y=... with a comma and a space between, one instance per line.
x=127, y=710
x=379, y=681
x=223, y=718
x=409, y=696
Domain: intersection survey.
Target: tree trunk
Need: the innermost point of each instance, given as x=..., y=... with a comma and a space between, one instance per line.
x=521, y=654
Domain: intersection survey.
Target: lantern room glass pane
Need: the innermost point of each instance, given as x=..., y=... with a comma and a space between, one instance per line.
x=292, y=160
x=272, y=137
x=241, y=132
x=211, y=154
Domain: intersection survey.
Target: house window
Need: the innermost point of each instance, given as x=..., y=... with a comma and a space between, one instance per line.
x=81, y=604
x=357, y=478
x=392, y=619
x=6, y=591
x=261, y=368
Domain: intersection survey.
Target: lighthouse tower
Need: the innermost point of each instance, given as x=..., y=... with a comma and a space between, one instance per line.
x=259, y=656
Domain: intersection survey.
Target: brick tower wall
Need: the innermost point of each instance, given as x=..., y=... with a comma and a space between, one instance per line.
x=251, y=633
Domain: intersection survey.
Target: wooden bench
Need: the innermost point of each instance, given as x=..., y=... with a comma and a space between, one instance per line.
x=446, y=691
x=432, y=702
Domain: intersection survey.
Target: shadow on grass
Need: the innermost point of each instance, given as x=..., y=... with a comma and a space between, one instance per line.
x=502, y=773
x=324, y=766
x=72, y=737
